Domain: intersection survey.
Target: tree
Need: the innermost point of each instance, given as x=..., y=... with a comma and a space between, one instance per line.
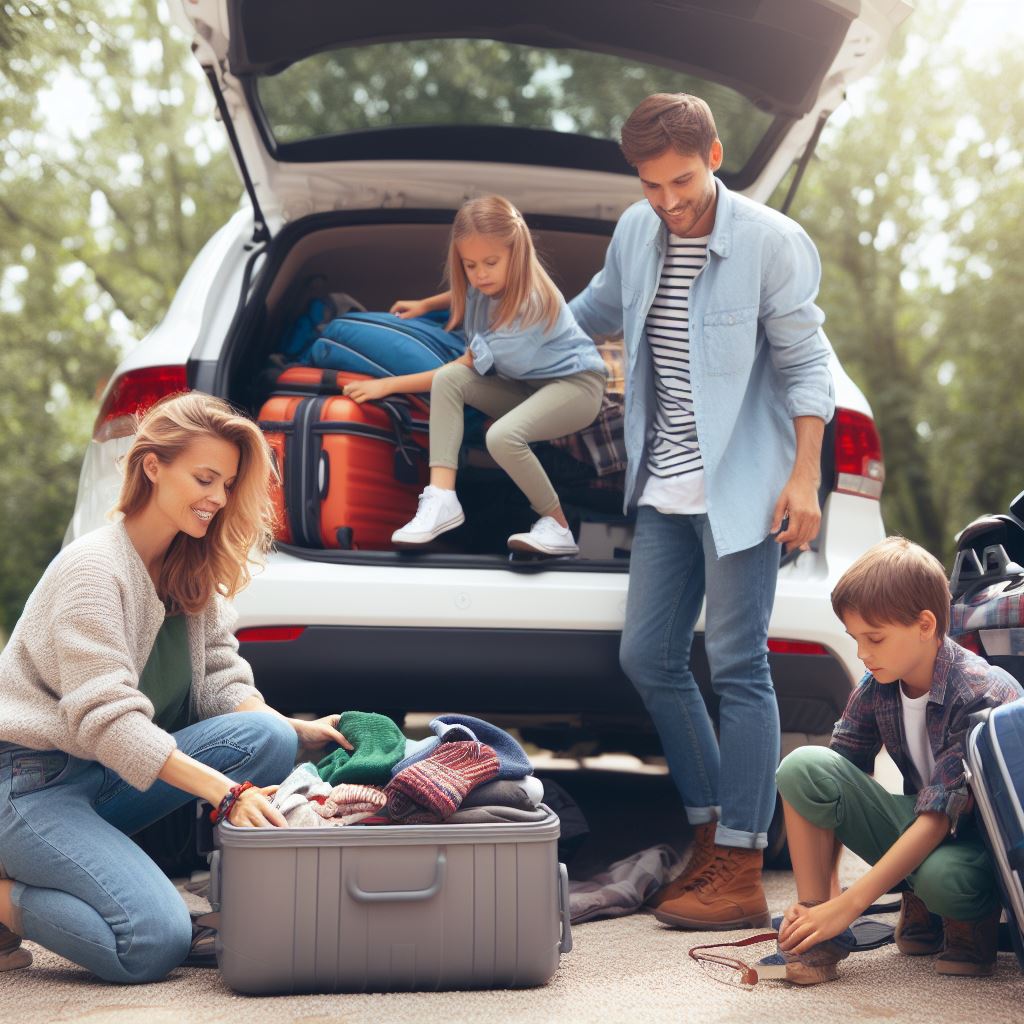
x=911, y=201
x=96, y=231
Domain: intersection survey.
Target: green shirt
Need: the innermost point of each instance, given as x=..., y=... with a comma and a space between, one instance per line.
x=167, y=677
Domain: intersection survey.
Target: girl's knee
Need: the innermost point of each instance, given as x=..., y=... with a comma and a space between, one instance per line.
x=450, y=377
x=501, y=441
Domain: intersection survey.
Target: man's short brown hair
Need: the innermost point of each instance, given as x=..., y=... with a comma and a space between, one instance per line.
x=894, y=582
x=668, y=120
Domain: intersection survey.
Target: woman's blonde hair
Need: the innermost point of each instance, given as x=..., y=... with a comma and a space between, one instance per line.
x=530, y=295
x=196, y=567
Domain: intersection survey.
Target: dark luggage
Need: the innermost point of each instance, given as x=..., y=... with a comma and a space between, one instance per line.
x=995, y=772
x=350, y=473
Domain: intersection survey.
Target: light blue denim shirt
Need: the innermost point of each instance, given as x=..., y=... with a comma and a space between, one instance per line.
x=758, y=355
x=527, y=353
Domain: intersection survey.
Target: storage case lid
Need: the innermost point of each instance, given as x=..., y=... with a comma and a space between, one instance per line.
x=228, y=835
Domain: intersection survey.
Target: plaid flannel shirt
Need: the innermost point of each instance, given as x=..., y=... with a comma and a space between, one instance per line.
x=961, y=684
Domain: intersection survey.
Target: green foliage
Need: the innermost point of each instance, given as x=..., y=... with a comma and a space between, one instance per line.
x=914, y=203
x=96, y=231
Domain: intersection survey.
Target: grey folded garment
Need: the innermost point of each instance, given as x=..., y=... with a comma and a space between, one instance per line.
x=625, y=887
x=292, y=797
x=494, y=815
x=526, y=794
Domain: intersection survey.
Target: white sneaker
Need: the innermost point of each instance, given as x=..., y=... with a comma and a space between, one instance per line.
x=438, y=512
x=546, y=537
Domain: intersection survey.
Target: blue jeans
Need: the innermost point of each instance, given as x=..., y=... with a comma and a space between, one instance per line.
x=84, y=889
x=672, y=565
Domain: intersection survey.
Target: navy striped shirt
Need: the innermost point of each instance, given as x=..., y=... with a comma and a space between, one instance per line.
x=673, y=449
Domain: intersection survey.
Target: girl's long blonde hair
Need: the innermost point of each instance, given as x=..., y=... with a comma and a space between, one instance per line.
x=530, y=295
x=195, y=568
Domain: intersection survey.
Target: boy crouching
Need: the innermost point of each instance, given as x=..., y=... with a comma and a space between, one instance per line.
x=916, y=700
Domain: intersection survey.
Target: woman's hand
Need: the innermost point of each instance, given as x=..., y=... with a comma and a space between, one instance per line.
x=803, y=927
x=253, y=809
x=367, y=390
x=404, y=309
x=314, y=736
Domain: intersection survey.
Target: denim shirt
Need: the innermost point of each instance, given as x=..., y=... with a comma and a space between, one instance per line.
x=962, y=683
x=758, y=355
x=527, y=353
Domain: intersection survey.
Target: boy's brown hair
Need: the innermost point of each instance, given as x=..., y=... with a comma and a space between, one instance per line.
x=894, y=582
x=668, y=120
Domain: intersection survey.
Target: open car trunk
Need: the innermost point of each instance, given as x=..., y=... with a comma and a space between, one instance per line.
x=376, y=257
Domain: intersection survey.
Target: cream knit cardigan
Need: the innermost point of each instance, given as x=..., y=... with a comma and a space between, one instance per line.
x=69, y=676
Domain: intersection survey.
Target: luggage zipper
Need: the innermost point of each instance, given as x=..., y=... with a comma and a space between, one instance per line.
x=309, y=504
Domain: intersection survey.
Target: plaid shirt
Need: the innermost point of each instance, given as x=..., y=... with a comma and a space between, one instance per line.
x=962, y=684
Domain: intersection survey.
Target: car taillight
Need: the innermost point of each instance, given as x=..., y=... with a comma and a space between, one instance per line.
x=796, y=647
x=859, y=465
x=132, y=394
x=269, y=634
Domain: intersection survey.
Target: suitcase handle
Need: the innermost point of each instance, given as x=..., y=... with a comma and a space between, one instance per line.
x=404, y=895
x=565, y=945
x=215, y=880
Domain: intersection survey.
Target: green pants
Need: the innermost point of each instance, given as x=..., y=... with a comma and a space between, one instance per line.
x=523, y=411
x=956, y=880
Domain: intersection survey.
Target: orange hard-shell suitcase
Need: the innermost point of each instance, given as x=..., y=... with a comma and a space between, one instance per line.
x=350, y=474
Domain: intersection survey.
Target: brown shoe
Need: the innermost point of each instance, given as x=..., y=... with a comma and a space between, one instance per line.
x=12, y=956
x=918, y=930
x=702, y=854
x=727, y=894
x=970, y=947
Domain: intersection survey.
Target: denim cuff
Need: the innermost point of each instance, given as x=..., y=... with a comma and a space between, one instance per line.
x=702, y=815
x=744, y=840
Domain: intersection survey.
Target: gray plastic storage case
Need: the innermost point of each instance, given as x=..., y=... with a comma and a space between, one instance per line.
x=388, y=908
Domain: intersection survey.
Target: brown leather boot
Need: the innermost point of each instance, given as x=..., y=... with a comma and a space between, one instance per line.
x=918, y=930
x=12, y=956
x=702, y=854
x=970, y=947
x=727, y=894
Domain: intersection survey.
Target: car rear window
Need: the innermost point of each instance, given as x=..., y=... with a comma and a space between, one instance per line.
x=488, y=83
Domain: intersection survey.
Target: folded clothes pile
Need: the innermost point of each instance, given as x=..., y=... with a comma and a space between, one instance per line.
x=468, y=771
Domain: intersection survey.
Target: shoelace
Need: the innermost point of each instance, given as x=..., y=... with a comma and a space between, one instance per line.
x=427, y=503
x=719, y=868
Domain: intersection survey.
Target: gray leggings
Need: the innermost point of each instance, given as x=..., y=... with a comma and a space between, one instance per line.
x=523, y=411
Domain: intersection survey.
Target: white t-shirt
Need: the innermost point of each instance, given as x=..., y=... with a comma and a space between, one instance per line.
x=676, y=471
x=914, y=725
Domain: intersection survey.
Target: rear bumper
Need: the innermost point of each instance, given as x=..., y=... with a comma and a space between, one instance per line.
x=503, y=671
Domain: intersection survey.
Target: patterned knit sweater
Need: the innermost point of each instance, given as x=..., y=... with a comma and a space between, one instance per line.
x=69, y=675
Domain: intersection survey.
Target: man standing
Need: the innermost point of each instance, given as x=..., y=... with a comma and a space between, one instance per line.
x=728, y=391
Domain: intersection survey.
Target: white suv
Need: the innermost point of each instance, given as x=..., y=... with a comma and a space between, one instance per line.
x=358, y=130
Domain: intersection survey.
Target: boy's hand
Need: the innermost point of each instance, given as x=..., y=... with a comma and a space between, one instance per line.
x=405, y=309
x=367, y=390
x=803, y=927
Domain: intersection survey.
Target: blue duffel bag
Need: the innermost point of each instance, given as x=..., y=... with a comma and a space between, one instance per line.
x=383, y=345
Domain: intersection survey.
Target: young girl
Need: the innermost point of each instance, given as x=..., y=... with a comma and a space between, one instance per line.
x=122, y=696
x=528, y=365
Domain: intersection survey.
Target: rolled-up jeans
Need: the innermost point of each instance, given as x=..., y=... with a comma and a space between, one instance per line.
x=956, y=880
x=523, y=411
x=83, y=888
x=673, y=565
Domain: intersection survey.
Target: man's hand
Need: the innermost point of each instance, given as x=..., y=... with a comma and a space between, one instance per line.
x=799, y=503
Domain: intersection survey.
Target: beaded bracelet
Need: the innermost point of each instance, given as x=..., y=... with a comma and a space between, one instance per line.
x=230, y=797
